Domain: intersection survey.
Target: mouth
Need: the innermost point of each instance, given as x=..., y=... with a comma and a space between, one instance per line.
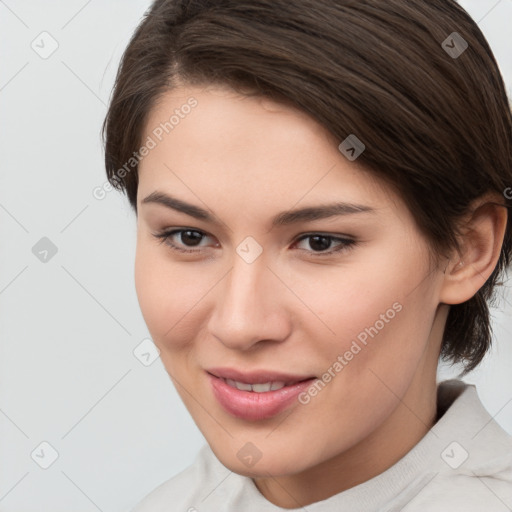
x=254, y=378
x=262, y=387
x=254, y=401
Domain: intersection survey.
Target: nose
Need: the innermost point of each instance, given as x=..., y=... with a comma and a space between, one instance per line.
x=249, y=306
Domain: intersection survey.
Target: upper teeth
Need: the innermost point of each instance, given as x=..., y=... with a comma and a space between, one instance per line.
x=258, y=388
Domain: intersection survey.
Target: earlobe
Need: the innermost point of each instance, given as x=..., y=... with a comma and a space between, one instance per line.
x=481, y=245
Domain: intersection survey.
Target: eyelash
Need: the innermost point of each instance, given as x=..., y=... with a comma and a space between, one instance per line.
x=346, y=243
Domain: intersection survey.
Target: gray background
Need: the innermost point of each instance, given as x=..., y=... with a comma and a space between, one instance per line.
x=69, y=326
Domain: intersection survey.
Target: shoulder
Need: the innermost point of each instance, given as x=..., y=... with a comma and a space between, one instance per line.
x=464, y=493
x=473, y=471
x=185, y=490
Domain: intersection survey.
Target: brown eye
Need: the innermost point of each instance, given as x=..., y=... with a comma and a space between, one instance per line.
x=321, y=244
x=189, y=238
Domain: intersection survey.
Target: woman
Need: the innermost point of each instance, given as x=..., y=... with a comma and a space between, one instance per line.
x=321, y=190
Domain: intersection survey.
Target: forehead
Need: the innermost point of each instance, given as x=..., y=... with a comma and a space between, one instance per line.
x=248, y=147
x=251, y=122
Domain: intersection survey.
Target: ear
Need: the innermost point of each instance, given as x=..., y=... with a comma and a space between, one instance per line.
x=483, y=230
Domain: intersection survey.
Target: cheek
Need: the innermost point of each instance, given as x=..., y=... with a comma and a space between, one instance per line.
x=169, y=297
x=383, y=341
x=368, y=314
x=349, y=301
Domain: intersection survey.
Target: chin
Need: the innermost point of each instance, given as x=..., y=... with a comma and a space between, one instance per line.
x=266, y=460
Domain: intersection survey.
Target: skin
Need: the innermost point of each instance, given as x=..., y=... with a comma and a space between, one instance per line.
x=246, y=159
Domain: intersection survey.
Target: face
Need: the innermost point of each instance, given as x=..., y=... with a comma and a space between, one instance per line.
x=349, y=294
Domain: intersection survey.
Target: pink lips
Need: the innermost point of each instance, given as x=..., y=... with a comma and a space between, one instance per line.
x=256, y=376
x=252, y=406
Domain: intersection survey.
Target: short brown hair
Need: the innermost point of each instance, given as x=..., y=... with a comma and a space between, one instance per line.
x=436, y=126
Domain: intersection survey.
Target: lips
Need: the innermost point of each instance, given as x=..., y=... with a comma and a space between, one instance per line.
x=252, y=405
x=257, y=376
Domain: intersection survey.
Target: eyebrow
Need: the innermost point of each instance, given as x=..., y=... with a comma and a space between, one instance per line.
x=284, y=218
